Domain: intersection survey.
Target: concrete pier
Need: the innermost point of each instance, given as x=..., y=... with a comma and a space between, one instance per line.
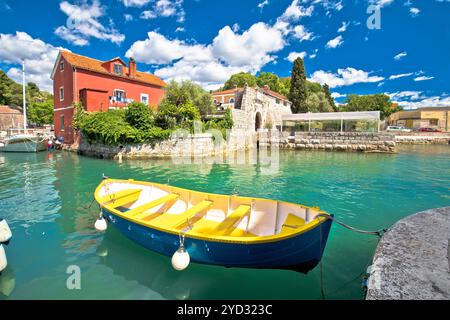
x=412, y=259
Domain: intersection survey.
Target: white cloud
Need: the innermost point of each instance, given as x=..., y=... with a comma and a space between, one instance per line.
x=296, y=11
x=423, y=78
x=294, y=55
x=402, y=75
x=179, y=29
x=262, y=4
x=344, y=77
x=135, y=3
x=236, y=27
x=314, y=54
x=334, y=43
x=337, y=95
x=259, y=42
x=83, y=23
x=401, y=95
x=344, y=26
x=416, y=99
x=401, y=55
x=381, y=3
x=165, y=8
x=301, y=33
x=213, y=63
x=39, y=58
x=414, y=12
x=128, y=17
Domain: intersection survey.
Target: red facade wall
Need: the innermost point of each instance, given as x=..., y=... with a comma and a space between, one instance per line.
x=133, y=89
x=63, y=107
x=94, y=100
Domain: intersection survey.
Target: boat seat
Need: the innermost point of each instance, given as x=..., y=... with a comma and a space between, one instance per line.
x=291, y=224
x=151, y=205
x=227, y=226
x=177, y=221
x=120, y=198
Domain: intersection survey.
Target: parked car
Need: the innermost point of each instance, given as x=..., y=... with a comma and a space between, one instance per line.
x=397, y=129
x=429, y=130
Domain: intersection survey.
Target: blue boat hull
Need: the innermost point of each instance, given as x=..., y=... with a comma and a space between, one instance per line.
x=300, y=253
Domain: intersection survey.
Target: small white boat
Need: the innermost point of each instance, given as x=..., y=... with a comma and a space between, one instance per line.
x=23, y=140
x=25, y=143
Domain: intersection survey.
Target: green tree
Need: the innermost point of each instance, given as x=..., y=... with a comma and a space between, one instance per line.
x=239, y=80
x=298, y=92
x=269, y=79
x=179, y=94
x=374, y=102
x=326, y=90
x=285, y=86
x=318, y=102
x=40, y=113
x=140, y=116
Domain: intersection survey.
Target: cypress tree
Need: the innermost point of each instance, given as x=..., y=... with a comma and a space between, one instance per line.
x=330, y=99
x=298, y=92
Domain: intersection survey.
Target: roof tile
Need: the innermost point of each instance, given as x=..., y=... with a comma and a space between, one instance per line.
x=95, y=65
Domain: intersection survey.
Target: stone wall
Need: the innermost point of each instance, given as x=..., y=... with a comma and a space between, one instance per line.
x=253, y=101
x=199, y=145
x=337, y=141
x=423, y=138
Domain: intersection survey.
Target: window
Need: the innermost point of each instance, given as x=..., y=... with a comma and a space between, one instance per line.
x=434, y=122
x=278, y=101
x=62, y=123
x=61, y=94
x=231, y=100
x=144, y=98
x=61, y=66
x=119, y=95
x=118, y=69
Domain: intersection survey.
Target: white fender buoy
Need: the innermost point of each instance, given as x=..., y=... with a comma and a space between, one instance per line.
x=3, y=261
x=181, y=259
x=5, y=232
x=101, y=225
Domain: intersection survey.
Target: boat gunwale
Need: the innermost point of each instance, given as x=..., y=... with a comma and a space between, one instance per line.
x=221, y=239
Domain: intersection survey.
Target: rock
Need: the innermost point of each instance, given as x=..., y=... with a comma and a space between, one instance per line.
x=412, y=259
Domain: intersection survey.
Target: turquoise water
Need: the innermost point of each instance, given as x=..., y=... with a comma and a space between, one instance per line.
x=45, y=197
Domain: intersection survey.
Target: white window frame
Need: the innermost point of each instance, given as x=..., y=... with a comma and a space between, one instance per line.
x=121, y=69
x=61, y=96
x=146, y=96
x=124, y=95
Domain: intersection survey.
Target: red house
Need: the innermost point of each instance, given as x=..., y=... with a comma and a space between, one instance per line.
x=99, y=86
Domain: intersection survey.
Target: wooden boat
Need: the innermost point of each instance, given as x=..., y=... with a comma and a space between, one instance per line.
x=230, y=231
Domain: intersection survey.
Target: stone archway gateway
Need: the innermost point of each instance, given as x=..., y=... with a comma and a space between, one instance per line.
x=258, y=121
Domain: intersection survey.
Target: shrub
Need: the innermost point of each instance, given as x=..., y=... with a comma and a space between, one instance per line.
x=139, y=116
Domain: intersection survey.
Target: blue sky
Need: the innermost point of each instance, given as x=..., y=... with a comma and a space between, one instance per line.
x=206, y=41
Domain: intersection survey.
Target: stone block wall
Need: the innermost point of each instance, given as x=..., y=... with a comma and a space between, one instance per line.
x=198, y=145
x=337, y=141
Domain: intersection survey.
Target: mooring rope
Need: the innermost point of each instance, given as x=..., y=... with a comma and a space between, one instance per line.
x=378, y=233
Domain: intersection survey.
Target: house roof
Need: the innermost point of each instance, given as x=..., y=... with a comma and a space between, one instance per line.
x=225, y=92
x=95, y=65
x=264, y=89
x=8, y=110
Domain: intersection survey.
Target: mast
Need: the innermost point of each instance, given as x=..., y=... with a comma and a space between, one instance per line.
x=24, y=98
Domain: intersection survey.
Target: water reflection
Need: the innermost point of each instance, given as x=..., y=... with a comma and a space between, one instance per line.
x=134, y=263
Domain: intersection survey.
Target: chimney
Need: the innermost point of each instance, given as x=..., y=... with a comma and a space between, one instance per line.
x=132, y=68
